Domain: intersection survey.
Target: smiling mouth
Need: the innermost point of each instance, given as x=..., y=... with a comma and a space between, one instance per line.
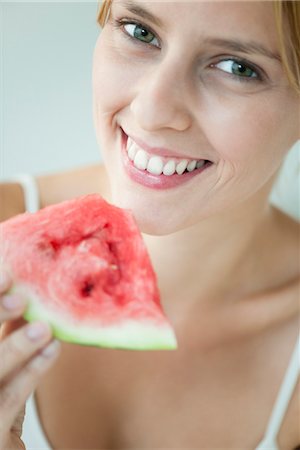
x=156, y=164
x=158, y=174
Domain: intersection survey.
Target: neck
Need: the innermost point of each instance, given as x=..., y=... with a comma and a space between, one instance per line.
x=214, y=261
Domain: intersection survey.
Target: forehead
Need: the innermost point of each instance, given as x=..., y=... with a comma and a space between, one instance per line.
x=253, y=18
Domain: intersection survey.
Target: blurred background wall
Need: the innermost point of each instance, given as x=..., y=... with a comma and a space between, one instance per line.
x=46, y=93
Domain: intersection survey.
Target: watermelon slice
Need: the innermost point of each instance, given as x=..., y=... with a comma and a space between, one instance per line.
x=84, y=268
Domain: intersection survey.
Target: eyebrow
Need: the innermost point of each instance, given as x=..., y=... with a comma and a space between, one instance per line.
x=142, y=12
x=245, y=47
x=232, y=44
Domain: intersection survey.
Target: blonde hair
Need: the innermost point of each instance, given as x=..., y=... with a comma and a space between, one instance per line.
x=103, y=13
x=287, y=18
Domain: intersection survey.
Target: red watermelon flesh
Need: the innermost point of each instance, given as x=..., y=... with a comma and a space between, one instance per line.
x=84, y=268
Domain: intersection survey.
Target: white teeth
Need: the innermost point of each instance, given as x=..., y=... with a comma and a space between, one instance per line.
x=132, y=151
x=155, y=165
x=191, y=165
x=180, y=168
x=129, y=142
x=141, y=160
x=169, y=168
x=200, y=164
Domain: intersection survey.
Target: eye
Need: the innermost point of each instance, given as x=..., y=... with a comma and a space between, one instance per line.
x=137, y=31
x=240, y=70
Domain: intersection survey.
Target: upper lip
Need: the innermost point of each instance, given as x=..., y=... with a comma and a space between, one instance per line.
x=159, y=151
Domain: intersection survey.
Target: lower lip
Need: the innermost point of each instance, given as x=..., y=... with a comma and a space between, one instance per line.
x=156, y=181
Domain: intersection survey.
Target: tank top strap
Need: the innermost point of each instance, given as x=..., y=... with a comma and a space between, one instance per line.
x=283, y=398
x=30, y=190
x=33, y=434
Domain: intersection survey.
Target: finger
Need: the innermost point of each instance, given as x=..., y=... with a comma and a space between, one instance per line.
x=11, y=307
x=15, y=393
x=21, y=345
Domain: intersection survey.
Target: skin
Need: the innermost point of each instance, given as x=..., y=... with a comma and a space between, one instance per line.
x=170, y=97
x=168, y=94
x=226, y=261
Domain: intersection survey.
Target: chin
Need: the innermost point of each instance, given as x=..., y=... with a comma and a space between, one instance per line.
x=154, y=227
x=147, y=221
x=151, y=218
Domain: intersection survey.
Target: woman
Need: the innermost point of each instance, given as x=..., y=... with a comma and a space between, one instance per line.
x=196, y=105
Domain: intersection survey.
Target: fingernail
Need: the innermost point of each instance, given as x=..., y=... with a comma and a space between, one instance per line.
x=37, y=331
x=11, y=302
x=51, y=349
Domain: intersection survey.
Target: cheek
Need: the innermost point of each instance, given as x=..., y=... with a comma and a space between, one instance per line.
x=106, y=79
x=110, y=84
x=249, y=132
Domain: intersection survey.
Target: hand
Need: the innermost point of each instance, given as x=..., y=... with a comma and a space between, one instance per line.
x=26, y=353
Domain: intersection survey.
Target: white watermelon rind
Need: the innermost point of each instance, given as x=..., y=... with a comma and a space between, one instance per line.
x=130, y=335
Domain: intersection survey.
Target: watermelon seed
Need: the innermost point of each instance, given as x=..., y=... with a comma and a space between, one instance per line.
x=47, y=248
x=55, y=245
x=87, y=289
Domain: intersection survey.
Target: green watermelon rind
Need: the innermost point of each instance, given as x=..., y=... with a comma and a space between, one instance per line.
x=130, y=335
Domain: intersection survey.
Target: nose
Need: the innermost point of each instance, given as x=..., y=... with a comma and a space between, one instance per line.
x=161, y=100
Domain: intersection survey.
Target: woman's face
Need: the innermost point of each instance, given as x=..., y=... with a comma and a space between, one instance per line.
x=176, y=87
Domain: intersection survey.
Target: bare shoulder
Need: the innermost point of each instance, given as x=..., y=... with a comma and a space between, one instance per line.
x=61, y=186
x=289, y=230
x=290, y=432
x=288, y=227
x=11, y=200
x=278, y=311
x=54, y=188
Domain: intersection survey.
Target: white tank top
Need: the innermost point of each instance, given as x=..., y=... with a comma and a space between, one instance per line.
x=33, y=434
x=35, y=439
